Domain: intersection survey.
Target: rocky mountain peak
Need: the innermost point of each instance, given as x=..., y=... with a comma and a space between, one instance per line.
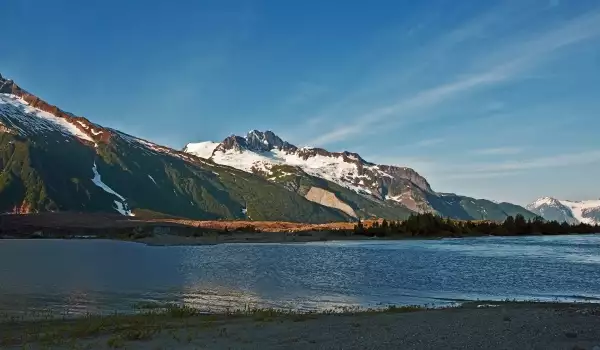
x=232, y=142
x=260, y=151
x=255, y=141
x=6, y=85
x=263, y=141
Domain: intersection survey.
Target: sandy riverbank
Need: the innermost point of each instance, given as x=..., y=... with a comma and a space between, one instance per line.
x=505, y=326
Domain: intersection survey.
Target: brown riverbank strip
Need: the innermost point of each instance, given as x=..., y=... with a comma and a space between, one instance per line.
x=151, y=230
x=170, y=231
x=501, y=326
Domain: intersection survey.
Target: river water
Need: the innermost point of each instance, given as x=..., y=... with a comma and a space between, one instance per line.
x=95, y=276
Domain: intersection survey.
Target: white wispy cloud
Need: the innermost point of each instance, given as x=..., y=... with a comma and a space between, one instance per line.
x=424, y=98
x=475, y=176
x=483, y=170
x=555, y=161
x=429, y=142
x=497, y=151
x=507, y=63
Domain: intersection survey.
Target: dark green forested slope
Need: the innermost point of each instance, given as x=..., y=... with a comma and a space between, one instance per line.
x=300, y=182
x=467, y=208
x=52, y=172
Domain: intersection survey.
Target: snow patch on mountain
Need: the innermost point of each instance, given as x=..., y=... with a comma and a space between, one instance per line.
x=122, y=209
x=122, y=206
x=90, y=128
x=35, y=120
x=201, y=149
x=246, y=160
x=580, y=210
x=333, y=169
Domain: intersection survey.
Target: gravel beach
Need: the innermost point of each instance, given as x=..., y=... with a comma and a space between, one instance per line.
x=472, y=326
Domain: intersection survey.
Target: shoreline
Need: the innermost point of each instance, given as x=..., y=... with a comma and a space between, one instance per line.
x=182, y=232
x=174, y=240
x=262, y=238
x=472, y=325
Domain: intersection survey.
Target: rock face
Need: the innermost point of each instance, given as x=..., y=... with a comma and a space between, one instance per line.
x=389, y=186
x=255, y=141
x=572, y=212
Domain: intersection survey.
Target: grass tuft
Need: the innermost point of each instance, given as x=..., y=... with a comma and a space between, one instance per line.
x=115, y=342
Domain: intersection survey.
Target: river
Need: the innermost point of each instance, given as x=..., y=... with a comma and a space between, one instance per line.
x=74, y=277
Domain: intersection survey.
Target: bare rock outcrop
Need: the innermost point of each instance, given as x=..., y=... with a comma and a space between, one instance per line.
x=328, y=199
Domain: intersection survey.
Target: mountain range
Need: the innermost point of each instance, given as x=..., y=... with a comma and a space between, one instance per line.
x=344, y=180
x=572, y=212
x=52, y=160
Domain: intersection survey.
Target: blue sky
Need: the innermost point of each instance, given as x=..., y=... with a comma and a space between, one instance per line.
x=497, y=100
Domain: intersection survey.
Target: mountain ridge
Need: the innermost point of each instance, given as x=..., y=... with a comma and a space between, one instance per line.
x=267, y=155
x=53, y=160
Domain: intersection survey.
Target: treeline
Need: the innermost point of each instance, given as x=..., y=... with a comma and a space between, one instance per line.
x=430, y=225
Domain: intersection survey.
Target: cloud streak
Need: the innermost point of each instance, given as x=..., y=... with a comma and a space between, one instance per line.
x=497, y=151
x=429, y=142
x=505, y=64
x=483, y=170
x=557, y=161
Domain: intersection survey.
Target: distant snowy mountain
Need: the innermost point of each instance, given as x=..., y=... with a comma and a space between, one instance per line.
x=587, y=212
x=360, y=187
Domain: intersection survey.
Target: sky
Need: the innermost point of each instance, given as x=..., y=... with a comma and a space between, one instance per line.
x=491, y=99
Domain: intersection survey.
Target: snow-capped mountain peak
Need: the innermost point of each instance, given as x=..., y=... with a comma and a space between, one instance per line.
x=344, y=179
x=265, y=153
x=544, y=201
x=255, y=141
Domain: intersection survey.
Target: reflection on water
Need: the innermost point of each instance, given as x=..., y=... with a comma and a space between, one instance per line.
x=78, y=277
